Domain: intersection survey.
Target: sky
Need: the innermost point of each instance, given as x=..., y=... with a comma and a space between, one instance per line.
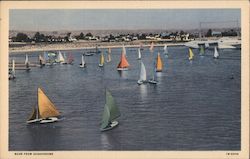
x=108, y=19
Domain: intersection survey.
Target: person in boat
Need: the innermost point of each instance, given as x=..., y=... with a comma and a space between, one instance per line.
x=109, y=125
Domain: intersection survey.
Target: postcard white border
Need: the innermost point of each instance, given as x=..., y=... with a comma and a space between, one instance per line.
x=4, y=32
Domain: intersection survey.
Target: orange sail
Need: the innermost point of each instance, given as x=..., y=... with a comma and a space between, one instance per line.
x=123, y=62
x=159, y=64
x=45, y=106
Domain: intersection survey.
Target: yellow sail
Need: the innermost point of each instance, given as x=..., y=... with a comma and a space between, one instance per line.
x=191, y=54
x=45, y=106
x=159, y=64
x=102, y=59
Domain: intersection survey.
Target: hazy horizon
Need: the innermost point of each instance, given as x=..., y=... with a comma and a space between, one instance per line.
x=122, y=19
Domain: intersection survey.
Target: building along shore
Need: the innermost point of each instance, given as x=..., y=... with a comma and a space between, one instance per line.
x=29, y=47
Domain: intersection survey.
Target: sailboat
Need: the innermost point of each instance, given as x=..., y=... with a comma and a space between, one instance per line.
x=70, y=59
x=60, y=59
x=152, y=80
x=101, y=64
x=159, y=64
x=216, y=53
x=123, y=65
x=191, y=54
x=109, y=55
x=110, y=113
x=83, y=64
x=165, y=50
x=50, y=58
x=12, y=73
x=139, y=53
x=27, y=63
x=202, y=51
x=151, y=49
x=46, y=58
x=143, y=75
x=45, y=112
x=41, y=60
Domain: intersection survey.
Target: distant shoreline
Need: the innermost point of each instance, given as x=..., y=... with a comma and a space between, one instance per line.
x=29, y=48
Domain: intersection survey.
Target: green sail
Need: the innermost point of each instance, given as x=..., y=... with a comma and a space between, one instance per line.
x=202, y=50
x=105, y=117
x=113, y=108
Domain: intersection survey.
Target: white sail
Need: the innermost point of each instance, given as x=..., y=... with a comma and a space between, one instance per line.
x=139, y=53
x=13, y=68
x=216, y=53
x=60, y=57
x=83, y=61
x=143, y=75
x=165, y=49
x=26, y=60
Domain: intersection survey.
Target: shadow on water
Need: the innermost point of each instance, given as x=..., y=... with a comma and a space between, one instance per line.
x=159, y=77
x=143, y=91
x=123, y=74
x=108, y=141
x=43, y=137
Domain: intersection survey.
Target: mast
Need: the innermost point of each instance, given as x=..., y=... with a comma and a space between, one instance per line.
x=152, y=59
x=37, y=106
x=153, y=72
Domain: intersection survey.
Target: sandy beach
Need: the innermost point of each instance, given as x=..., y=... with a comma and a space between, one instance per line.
x=29, y=48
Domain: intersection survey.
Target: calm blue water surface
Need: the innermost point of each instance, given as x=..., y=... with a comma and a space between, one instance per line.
x=195, y=106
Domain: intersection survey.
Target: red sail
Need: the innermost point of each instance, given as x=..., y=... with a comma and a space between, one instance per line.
x=123, y=63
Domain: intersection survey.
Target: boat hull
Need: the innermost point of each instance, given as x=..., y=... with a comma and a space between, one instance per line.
x=111, y=126
x=49, y=120
x=122, y=69
x=82, y=66
x=152, y=82
x=43, y=121
x=141, y=82
x=11, y=77
x=33, y=121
